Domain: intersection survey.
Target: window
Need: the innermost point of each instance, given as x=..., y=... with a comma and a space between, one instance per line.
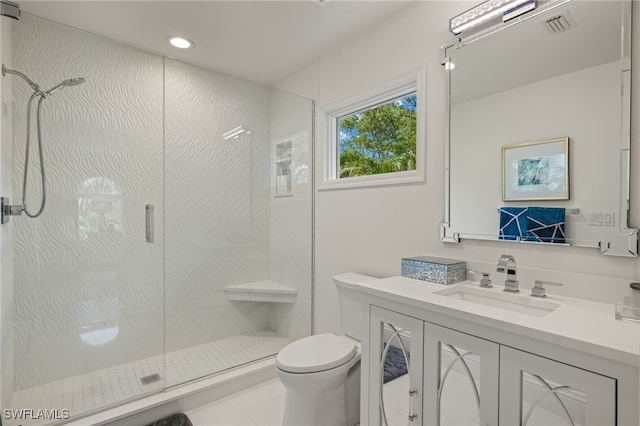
x=380, y=139
x=376, y=140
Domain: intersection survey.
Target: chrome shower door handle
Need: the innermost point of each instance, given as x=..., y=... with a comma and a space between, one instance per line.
x=148, y=210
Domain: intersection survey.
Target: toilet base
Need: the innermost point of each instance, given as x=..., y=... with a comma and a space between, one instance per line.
x=327, y=409
x=335, y=405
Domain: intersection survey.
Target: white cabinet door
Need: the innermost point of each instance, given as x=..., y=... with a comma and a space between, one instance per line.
x=461, y=378
x=537, y=391
x=395, y=341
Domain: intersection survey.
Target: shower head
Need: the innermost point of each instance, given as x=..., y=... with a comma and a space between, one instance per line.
x=66, y=83
x=38, y=90
x=75, y=81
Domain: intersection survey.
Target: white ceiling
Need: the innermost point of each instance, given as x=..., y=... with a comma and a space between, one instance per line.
x=263, y=41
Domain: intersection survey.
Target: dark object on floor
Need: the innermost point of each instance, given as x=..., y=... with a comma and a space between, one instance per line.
x=394, y=364
x=179, y=419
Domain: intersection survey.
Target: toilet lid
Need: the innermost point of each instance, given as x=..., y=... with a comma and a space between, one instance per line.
x=316, y=353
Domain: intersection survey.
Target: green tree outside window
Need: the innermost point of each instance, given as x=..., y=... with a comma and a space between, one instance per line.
x=379, y=140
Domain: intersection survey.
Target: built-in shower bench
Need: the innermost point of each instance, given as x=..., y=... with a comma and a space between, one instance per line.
x=261, y=291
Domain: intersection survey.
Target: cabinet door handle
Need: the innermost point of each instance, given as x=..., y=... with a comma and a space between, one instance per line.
x=412, y=392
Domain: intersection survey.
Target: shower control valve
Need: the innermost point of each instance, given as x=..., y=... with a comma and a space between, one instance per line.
x=9, y=210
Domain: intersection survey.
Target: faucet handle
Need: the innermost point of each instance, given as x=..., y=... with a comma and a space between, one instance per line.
x=486, y=278
x=538, y=289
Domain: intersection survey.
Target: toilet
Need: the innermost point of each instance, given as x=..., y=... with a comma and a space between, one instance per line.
x=321, y=373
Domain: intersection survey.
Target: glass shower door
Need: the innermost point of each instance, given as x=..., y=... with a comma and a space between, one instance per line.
x=88, y=273
x=238, y=252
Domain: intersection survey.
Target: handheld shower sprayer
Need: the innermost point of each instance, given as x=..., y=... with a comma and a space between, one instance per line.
x=66, y=83
x=9, y=210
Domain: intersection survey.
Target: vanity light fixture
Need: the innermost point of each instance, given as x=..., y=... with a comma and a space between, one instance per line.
x=180, y=42
x=488, y=10
x=519, y=10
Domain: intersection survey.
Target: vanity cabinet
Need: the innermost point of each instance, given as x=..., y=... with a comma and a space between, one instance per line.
x=456, y=378
x=392, y=335
x=536, y=391
x=460, y=378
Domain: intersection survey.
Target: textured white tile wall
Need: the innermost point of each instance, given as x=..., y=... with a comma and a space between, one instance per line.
x=88, y=288
x=84, y=273
x=217, y=203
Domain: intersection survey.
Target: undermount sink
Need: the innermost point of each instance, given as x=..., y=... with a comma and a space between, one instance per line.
x=497, y=299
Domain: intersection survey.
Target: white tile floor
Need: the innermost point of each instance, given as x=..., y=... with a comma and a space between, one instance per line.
x=99, y=389
x=263, y=405
x=260, y=405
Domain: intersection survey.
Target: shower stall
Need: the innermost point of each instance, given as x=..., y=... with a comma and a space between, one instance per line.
x=176, y=239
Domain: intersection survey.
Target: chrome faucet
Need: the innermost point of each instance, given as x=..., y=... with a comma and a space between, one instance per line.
x=507, y=264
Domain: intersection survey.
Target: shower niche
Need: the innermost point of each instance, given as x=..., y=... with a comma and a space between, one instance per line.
x=283, y=162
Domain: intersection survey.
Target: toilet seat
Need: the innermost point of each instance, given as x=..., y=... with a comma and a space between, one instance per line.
x=316, y=353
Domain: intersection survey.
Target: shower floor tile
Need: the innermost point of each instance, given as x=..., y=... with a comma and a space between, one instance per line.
x=99, y=389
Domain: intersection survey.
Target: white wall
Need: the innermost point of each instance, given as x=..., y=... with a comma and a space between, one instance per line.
x=368, y=230
x=7, y=312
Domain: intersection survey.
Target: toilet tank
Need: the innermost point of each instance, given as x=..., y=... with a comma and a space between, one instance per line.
x=350, y=303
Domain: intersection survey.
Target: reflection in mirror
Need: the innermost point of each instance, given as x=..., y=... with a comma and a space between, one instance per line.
x=394, y=363
x=532, y=82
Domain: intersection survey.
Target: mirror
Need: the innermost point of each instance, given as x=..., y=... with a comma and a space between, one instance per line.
x=514, y=87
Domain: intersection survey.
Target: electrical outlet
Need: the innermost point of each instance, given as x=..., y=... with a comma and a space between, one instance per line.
x=602, y=219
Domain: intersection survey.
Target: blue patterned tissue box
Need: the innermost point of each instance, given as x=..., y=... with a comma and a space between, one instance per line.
x=434, y=269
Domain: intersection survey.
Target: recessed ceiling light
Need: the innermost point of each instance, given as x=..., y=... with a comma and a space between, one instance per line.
x=180, y=42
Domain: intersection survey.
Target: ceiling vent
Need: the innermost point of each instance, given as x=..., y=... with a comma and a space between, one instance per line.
x=560, y=23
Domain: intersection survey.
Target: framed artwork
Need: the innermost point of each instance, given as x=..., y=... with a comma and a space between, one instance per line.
x=536, y=171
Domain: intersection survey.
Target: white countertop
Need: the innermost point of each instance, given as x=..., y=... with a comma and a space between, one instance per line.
x=577, y=324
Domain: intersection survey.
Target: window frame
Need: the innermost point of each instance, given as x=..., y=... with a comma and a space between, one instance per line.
x=412, y=83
